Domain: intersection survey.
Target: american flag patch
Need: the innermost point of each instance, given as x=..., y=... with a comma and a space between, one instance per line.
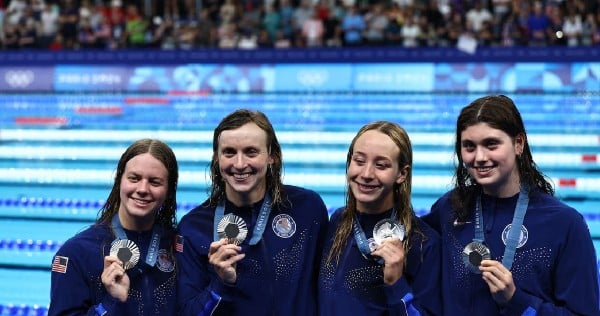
x=60, y=264
x=179, y=243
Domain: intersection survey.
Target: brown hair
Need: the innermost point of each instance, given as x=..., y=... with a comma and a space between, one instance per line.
x=499, y=112
x=402, y=192
x=236, y=120
x=166, y=215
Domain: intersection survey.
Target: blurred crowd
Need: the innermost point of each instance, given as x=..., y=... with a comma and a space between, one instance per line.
x=248, y=24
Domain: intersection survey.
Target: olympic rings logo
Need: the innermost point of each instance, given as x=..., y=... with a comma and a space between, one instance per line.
x=19, y=78
x=312, y=78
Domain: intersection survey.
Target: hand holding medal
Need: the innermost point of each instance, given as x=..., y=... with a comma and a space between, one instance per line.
x=124, y=254
x=225, y=252
x=223, y=256
x=388, y=234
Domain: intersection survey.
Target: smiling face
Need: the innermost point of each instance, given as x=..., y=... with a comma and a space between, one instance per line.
x=489, y=155
x=373, y=171
x=243, y=158
x=143, y=189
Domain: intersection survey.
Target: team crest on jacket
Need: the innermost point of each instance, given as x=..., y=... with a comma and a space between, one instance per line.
x=284, y=226
x=164, y=261
x=523, y=236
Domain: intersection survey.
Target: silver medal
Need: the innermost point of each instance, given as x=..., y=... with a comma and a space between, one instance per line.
x=388, y=228
x=233, y=228
x=127, y=251
x=473, y=254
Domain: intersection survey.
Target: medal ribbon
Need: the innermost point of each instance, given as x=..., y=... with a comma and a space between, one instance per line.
x=361, y=238
x=154, y=242
x=261, y=221
x=515, y=229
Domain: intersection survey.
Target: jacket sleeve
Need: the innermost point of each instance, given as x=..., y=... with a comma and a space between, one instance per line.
x=576, y=279
x=198, y=294
x=70, y=291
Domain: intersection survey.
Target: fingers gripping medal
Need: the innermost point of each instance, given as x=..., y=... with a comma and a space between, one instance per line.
x=126, y=251
x=233, y=228
x=388, y=228
x=473, y=254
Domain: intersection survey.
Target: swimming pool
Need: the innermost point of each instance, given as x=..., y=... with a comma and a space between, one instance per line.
x=58, y=154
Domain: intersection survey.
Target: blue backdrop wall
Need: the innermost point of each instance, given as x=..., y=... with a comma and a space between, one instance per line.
x=571, y=70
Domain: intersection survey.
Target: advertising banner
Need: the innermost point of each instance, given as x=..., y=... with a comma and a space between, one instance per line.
x=22, y=79
x=91, y=78
x=313, y=77
x=394, y=77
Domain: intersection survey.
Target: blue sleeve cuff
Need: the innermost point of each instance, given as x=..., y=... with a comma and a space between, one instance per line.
x=108, y=306
x=100, y=310
x=397, y=291
x=521, y=304
x=211, y=304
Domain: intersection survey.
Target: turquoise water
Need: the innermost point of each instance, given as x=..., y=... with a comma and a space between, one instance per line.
x=54, y=177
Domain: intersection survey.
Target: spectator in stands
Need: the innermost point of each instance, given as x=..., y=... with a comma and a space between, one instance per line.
x=15, y=10
x=228, y=35
x=573, y=28
x=186, y=36
x=124, y=263
x=476, y=16
x=376, y=22
x=254, y=245
x=228, y=12
x=248, y=40
x=456, y=28
x=28, y=30
x=102, y=31
x=263, y=40
x=286, y=13
x=379, y=257
x=57, y=43
x=313, y=31
x=281, y=41
x=436, y=23
x=205, y=30
x=590, y=30
x=556, y=36
x=411, y=32
x=87, y=36
x=393, y=31
x=163, y=34
x=48, y=25
x=500, y=9
x=68, y=19
x=271, y=20
x=513, y=32
x=250, y=21
x=538, y=26
x=353, y=24
x=115, y=15
x=509, y=246
x=1, y=25
x=11, y=37
x=491, y=22
x=136, y=27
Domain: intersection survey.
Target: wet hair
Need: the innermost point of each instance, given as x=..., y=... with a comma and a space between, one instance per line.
x=402, y=191
x=236, y=120
x=499, y=112
x=166, y=215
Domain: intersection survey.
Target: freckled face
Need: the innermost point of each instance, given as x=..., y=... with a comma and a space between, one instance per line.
x=373, y=171
x=243, y=158
x=144, y=187
x=490, y=157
